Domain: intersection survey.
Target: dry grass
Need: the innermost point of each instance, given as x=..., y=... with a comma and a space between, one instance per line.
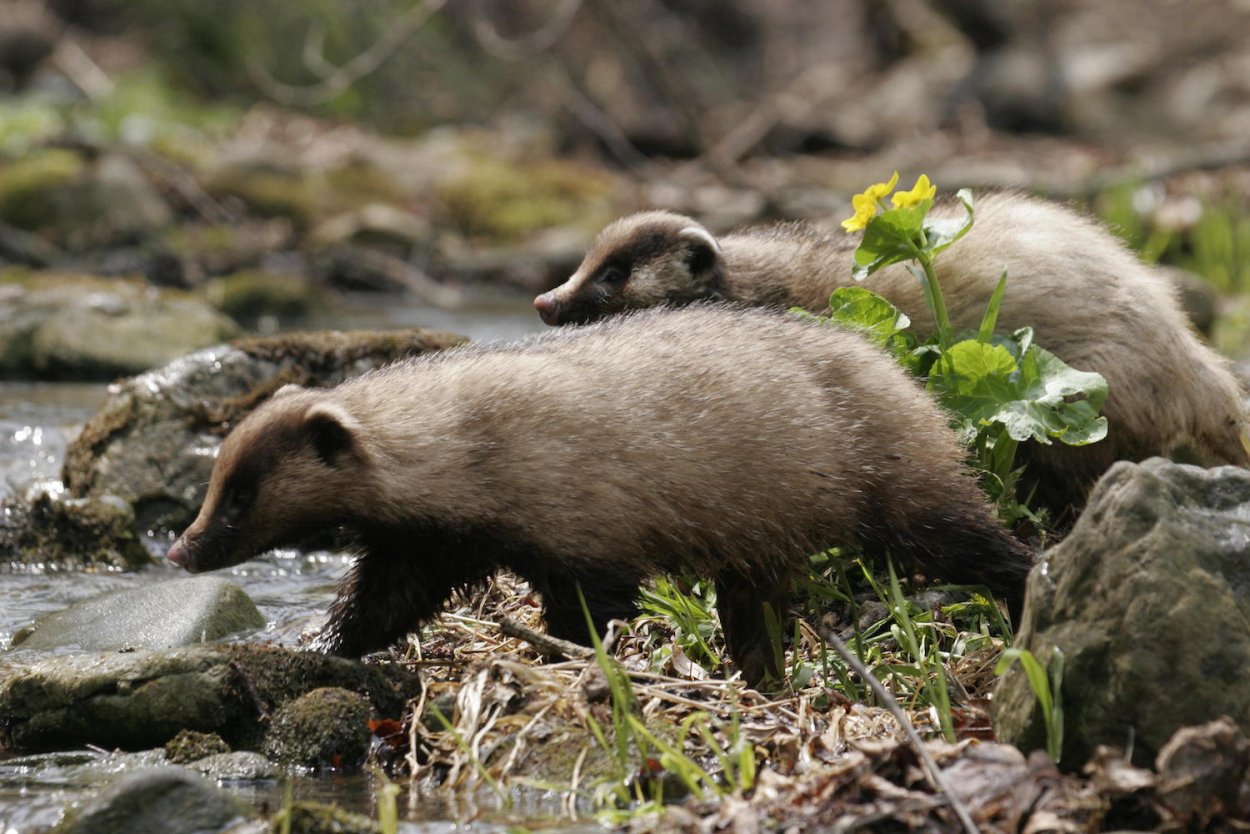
x=516, y=738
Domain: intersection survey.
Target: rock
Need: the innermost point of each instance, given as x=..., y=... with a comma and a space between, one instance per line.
x=324, y=728
x=82, y=204
x=164, y=800
x=153, y=442
x=46, y=527
x=318, y=818
x=241, y=766
x=507, y=200
x=189, y=746
x=1145, y=597
x=180, y=612
x=27, y=183
x=77, y=327
x=142, y=699
x=379, y=225
x=251, y=294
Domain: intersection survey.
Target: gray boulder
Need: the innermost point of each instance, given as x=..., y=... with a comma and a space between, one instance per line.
x=138, y=700
x=163, y=800
x=180, y=612
x=240, y=766
x=1146, y=598
x=79, y=327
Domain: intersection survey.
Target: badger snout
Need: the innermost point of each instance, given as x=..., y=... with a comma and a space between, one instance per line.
x=548, y=306
x=180, y=554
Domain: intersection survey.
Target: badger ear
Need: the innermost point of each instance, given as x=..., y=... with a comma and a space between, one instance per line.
x=704, y=250
x=332, y=430
x=289, y=388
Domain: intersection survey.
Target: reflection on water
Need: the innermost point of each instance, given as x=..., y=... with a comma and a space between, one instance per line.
x=292, y=590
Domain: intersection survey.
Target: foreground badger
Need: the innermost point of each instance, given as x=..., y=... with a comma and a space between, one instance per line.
x=727, y=442
x=1089, y=301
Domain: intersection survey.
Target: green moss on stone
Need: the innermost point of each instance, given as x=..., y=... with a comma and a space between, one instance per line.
x=190, y=746
x=270, y=193
x=326, y=727
x=507, y=200
x=26, y=185
x=251, y=293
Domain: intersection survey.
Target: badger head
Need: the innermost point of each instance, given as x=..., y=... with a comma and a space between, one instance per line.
x=643, y=260
x=288, y=470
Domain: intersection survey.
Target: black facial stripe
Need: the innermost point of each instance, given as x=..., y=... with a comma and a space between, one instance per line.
x=644, y=245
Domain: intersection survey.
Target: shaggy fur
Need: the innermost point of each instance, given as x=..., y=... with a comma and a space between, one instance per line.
x=1088, y=299
x=727, y=442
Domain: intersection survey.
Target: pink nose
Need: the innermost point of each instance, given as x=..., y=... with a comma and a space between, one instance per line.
x=548, y=308
x=178, y=553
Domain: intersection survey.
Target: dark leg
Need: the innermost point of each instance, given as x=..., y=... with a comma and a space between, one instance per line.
x=752, y=610
x=385, y=595
x=608, y=597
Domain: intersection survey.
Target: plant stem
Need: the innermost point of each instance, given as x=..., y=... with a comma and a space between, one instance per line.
x=933, y=293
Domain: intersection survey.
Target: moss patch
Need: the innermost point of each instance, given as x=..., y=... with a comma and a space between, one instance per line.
x=251, y=293
x=25, y=185
x=507, y=200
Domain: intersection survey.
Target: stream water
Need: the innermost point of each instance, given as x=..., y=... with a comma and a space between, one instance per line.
x=292, y=590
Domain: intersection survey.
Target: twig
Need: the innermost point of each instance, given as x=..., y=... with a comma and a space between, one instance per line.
x=540, y=40
x=596, y=120
x=83, y=73
x=935, y=775
x=349, y=73
x=249, y=686
x=545, y=644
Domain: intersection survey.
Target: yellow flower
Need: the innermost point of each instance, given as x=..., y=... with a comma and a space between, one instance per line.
x=922, y=191
x=865, y=209
x=865, y=204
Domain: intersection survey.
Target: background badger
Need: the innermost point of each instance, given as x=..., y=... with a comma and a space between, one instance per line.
x=727, y=442
x=1088, y=299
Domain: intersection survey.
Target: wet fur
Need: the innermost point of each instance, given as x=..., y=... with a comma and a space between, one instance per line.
x=727, y=442
x=1088, y=299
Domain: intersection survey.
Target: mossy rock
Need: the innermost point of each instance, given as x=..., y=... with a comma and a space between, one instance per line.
x=57, y=531
x=506, y=200
x=269, y=193
x=26, y=185
x=324, y=728
x=250, y=294
x=190, y=746
x=318, y=818
x=358, y=184
x=139, y=700
x=82, y=204
x=62, y=326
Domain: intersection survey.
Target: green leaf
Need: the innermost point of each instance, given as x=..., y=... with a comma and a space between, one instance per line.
x=942, y=232
x=866, y=312
x=1038, y=398
x=890, y=237
x=883, y=324
x=990, y=320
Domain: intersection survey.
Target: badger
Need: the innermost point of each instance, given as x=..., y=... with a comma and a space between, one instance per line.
x=1089, y=301
x=727, y=443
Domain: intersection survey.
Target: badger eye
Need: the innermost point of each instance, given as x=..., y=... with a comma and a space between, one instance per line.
x=236, y=503
x=613, y=276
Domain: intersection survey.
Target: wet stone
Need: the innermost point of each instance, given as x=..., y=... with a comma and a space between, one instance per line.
x=180, y=612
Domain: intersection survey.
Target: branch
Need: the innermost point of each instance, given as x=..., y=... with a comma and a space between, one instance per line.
x=935, y=775
x=349, y=73
x=513, y=49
